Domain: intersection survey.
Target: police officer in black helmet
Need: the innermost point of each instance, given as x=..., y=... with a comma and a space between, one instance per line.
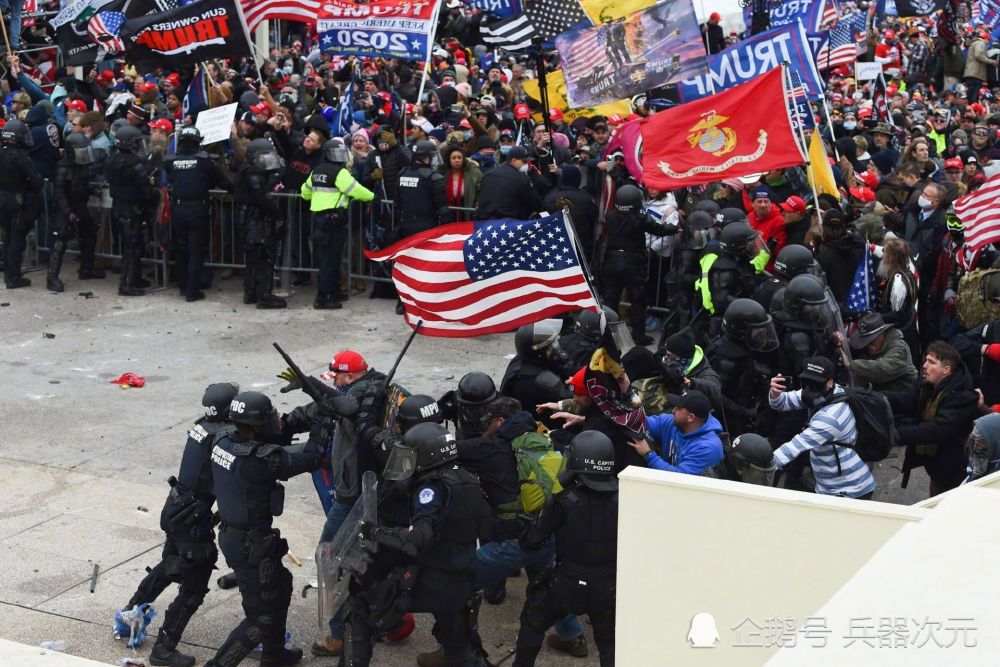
x=699, y=230
x=261, y=218
x=246, y=469
x=189, y=554
x=750, y=459
x=791, y=261
x=584, y=519
x=467, y=406
x=535, y=375
x=580, y=343
x=70, y=194
x=744, y=358
x=18, y=180
x=132, y=197
x=447, y=516
x=732, y=275
x=625, y=261
x=420, y=196
x=191, y=174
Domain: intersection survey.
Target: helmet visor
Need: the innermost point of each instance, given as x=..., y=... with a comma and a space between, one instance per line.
x=401, y=465
x=818, y=315
x=545, y=333
x=698, y=238
x=754, y=246
x=753, y=474
x=270, y=161
x=622, y=336
x=762, y=337
x=472, y=419
x=84, y=155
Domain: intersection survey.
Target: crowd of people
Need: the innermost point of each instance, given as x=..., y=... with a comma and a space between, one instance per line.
x=774, y=350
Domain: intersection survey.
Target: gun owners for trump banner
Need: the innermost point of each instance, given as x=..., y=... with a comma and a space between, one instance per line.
x=384, y=28
x=192, y=33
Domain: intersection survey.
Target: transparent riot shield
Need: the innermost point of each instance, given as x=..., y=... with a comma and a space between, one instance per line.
x=345, y=556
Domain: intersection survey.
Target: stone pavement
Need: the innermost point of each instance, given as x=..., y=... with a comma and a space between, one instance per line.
x=84, y=463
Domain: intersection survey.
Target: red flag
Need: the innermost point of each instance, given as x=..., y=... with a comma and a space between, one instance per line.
x=743, y=130
x=628, y=139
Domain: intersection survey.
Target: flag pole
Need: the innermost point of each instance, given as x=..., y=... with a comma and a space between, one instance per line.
x=829, y=122
x=581, y=257
x=427, y=60
x=789, y=98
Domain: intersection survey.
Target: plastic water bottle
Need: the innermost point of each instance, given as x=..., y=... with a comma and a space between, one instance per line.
x=54, y=645
x=288, y=642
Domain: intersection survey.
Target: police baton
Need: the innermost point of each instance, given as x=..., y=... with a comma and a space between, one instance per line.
x=392, y=371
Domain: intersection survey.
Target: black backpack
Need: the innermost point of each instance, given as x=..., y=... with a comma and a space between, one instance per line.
x=873, y=416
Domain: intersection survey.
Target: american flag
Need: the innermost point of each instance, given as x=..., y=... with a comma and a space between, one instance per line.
x=589, y=53
x=471, y=279
x=543, y=20
x=103, y=28
x=831, y=12
x=880, y=100
x=841, y=47
x=862, y=295
x=979, y=211
x=303, y=11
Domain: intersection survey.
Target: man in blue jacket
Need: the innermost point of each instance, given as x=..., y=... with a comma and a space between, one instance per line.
x=688, y=438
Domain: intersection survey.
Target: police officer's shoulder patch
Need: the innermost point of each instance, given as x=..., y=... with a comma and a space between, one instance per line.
x=426, y=496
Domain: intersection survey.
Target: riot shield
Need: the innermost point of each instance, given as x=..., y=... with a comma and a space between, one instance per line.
x=838, y=325
x=345, y=556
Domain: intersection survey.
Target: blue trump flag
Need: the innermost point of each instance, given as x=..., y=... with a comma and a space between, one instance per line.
x=807, y=12
x=755, y=56
x=502, y=8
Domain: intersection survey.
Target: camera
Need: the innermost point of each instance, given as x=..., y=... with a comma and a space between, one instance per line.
x=456, y=108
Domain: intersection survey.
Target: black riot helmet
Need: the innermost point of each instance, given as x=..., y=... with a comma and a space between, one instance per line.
x=539, y=341
x=16, y=133
x=807, y=301
x=262, y=155
x=189, y=137
x=750, y=457
x=250, y=408
x=79, y=150
x=740, y=239
x=587, y=323
x=592, y=461
x=217, y=400
x=423, y=151
x=418, y=409
x=476, y=391
x=709, y=206
x=628, y=199
x=424, y=447
x=620, y=333
x=746, y=320
x=730, y=215
x=793, y=260
x=129, y=138
x=334, y=151
x=699, y=229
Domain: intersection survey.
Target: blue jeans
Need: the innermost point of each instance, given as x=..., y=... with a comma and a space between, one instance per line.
x=334, y=520
x=14, y=32
x=495, y=561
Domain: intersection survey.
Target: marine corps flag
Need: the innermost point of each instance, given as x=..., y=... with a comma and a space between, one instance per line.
x=734, y=133
x=192, y=33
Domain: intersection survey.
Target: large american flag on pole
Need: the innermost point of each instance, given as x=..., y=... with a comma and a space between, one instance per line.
x=979, y=211
x=303, y=11
x=476, y=278
x=841, y=48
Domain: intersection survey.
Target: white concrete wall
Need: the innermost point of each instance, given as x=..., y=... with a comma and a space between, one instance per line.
x=989, y=482
x=691, y=544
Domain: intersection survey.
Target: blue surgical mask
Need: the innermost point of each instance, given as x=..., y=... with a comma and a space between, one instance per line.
x=850, y=125
x=505, y=149
x=467, y=135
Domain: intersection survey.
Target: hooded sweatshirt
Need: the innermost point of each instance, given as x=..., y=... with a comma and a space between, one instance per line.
x=988, y=427
x=689, y=453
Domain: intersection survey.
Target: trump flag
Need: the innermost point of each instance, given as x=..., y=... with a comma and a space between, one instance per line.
x=475, y=278
x=744, y=130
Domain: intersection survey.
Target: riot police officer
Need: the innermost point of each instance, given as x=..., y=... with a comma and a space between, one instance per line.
x=580, y=343
x=447, y=516
x=467, y=406
x=189, y=554
x=132, y=193
x=261, y=218
x=18, y=181
x=808, y=323
x=791, y=261
x=191, y=174
x=330, y=189
x=71, y=193
x=750, y=459
x=686, y=268
x=246, y=469
x=625, y=257
x=535, y=374
x=421, y=192
x=732, y=275
x=584, y=519
x=742, y=358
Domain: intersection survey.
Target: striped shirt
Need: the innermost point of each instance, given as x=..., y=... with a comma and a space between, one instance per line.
x=833, y=423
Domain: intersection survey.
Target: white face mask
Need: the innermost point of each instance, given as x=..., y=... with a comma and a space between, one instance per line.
x=923, y=202
x=523, y=168
x=992, y=168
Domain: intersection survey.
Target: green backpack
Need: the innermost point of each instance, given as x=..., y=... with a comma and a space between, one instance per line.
x=538, y=467
x=978, y=299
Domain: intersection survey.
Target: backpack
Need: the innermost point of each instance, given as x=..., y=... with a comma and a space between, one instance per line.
x=538, y=467
x=977, y=302
x=874, y=419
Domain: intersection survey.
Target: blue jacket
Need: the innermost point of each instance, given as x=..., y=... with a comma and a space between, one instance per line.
x=688, y=453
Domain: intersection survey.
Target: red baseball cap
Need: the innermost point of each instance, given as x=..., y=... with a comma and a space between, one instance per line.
x=521, y=112
x=715, y=16
x=555, y=114
x=348, y=361
x=261, y=107
x=146, y=87
x=76, y=105
x=107, y=75
x=615, y=120
x=863, y=194
x=869, y=178
x=953, y=163
x=794, y=204
x=162, y=124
